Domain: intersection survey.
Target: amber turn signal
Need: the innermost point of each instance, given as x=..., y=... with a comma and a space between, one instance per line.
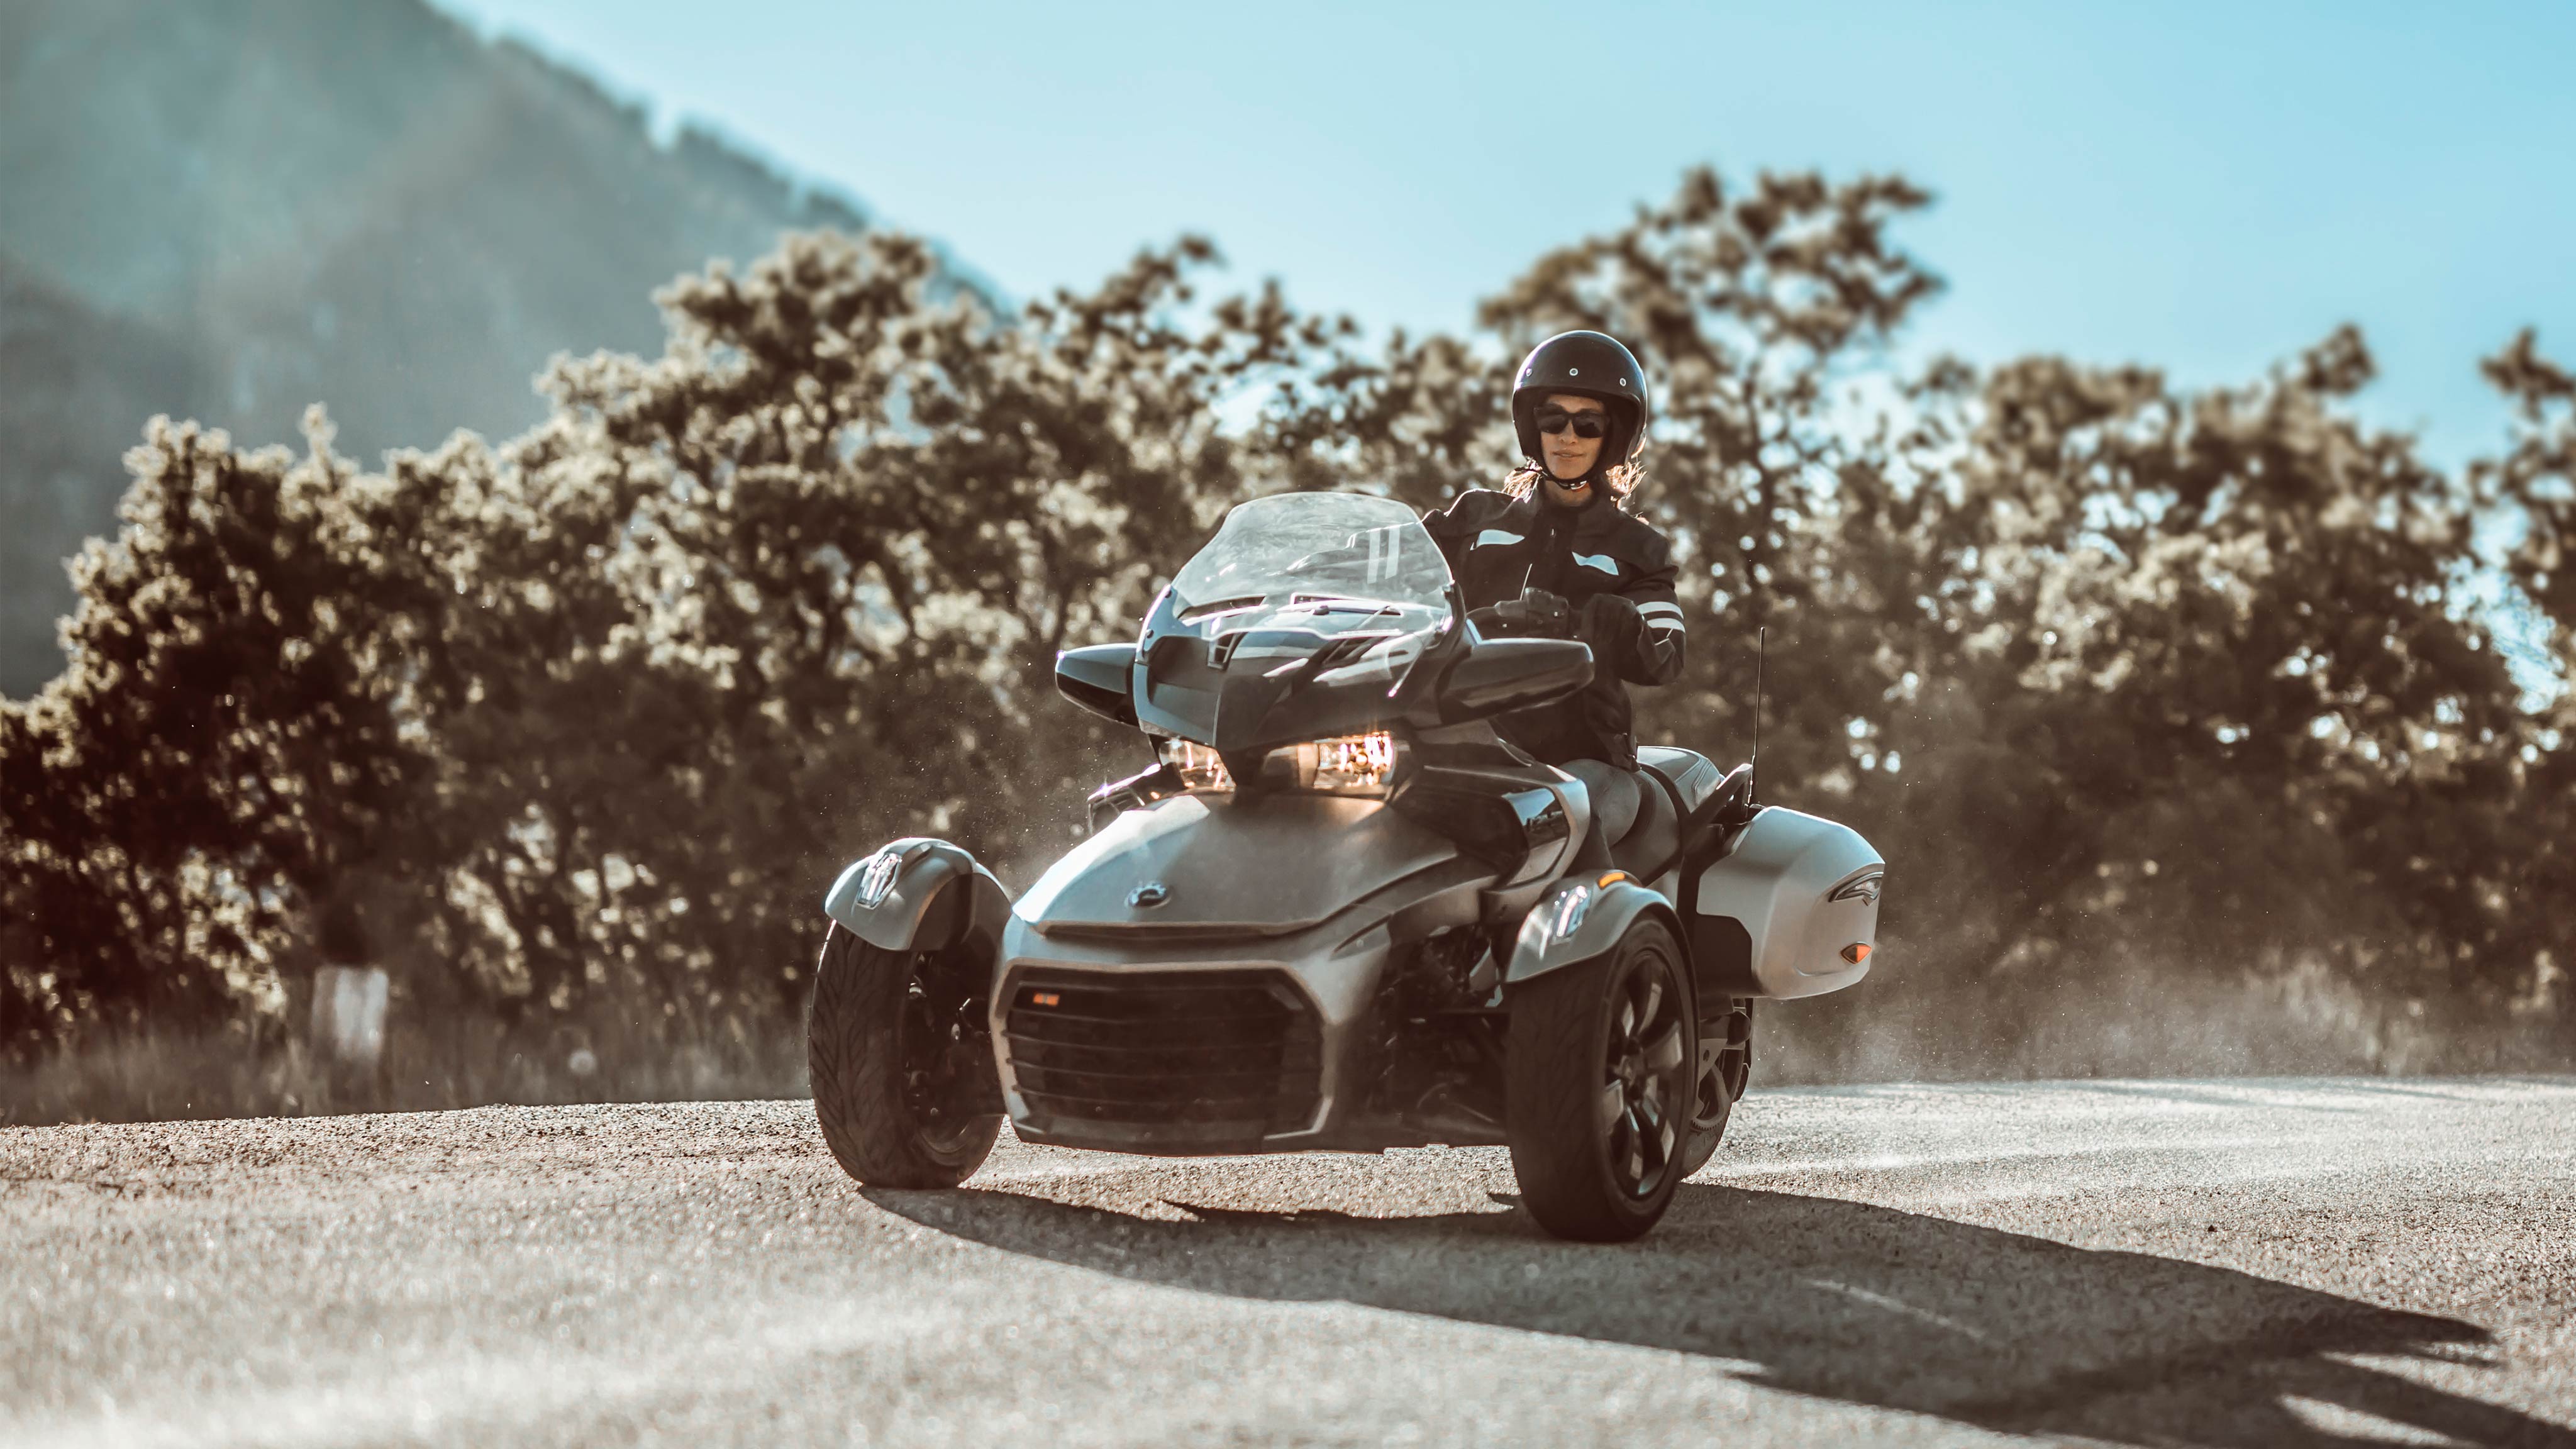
x=1049, y=998
x=1856, y=952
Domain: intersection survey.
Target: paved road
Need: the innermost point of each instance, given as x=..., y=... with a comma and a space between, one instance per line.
x=2255, y=1264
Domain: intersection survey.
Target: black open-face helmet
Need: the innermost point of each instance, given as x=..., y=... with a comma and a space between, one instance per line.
x=1595, y=365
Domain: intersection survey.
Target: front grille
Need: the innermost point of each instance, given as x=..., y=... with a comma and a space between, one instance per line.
x=1175, y=1057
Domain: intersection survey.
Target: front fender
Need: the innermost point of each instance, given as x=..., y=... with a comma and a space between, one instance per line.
x=1579, y=919
x=899, y=899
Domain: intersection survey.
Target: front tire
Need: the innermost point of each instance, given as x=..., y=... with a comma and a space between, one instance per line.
x=893, y=1045
x=1598, y=1082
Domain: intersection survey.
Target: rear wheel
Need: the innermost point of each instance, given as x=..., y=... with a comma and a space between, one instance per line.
x=901, y=1064
x=1598, y=1088
x=1725, y=1061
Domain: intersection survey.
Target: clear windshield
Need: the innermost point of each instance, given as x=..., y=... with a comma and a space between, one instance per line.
x=1343, y=559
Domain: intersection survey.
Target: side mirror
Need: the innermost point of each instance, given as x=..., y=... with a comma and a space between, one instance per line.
x=1096, y=678
x=1496, y=676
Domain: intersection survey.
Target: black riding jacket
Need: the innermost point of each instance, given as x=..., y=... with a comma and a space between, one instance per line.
x=1616, y=571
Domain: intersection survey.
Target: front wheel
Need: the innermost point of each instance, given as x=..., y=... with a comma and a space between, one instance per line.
x=899, y=1057
x=1598, y=1089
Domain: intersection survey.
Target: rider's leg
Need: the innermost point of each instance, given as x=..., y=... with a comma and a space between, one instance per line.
x=1615, y=799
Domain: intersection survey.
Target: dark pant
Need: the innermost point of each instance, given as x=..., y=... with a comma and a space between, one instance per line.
x=1615, y=799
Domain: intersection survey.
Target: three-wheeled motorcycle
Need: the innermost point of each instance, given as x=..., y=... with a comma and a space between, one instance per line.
x=1340, y=912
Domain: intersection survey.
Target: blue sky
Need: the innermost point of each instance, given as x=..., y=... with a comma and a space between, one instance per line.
x=2202, y=187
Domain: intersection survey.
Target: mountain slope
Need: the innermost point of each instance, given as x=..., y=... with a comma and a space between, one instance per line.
x=74, y=386
x=251, y=205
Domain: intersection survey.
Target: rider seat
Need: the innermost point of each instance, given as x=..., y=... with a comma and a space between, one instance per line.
x=1654, y=841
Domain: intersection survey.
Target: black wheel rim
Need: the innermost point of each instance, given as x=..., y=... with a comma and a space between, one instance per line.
x=1709, y=1096
x=937, y=1045
x=1648, y=1069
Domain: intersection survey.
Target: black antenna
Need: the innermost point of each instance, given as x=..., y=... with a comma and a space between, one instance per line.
x=1761, y=646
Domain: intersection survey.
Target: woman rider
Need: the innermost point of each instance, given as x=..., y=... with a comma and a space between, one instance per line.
x=1557, y=544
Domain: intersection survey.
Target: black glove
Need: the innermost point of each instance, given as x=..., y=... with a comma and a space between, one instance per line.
x=1550, y=617
x=1610, y=623
x=1536, y=612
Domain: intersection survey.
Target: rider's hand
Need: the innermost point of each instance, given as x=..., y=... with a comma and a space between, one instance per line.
x=1550, y=617
x=1536, y=612
x=1609, y=621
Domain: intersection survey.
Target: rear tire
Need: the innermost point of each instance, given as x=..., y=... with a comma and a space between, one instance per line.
x=1598, y=1088
x=1724, y=1065
x=891, y=1046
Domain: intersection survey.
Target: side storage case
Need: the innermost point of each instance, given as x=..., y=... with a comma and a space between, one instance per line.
x=1790, y=909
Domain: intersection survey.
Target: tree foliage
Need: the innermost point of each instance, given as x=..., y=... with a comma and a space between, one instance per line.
x=2117, y=676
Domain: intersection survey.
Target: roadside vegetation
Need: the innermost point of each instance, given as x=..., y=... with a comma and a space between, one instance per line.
x=2205, y=732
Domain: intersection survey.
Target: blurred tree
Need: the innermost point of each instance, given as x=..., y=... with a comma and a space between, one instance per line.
x=224, y=744
x=2204, y=692
x=2536, y=481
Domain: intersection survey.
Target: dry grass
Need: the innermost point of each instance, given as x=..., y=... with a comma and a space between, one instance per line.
x=2133, y=1020
x=162, y=1075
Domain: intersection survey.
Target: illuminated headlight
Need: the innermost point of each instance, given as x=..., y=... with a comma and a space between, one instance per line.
x=1199, y=767
x=1360, y=765
x=1342, y=765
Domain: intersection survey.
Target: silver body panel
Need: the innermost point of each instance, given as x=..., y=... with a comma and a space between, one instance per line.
x=1271, y=867
x=1577, y=919
x=1573, y=804
x=895, y=911
x=1806, y=890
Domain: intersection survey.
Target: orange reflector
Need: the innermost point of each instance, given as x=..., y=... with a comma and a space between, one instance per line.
x=1856, y=952
x=1616, y=876
x=1049, y=998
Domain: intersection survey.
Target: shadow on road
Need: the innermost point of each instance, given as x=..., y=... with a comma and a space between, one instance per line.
x=1838, y=1300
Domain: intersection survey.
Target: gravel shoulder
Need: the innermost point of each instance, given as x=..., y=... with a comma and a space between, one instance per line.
x=2321, y=1262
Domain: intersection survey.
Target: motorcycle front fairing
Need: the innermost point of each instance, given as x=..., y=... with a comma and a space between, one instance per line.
x=1309, y=615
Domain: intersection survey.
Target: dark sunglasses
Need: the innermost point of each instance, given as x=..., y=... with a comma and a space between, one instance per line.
x=1585, y=425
